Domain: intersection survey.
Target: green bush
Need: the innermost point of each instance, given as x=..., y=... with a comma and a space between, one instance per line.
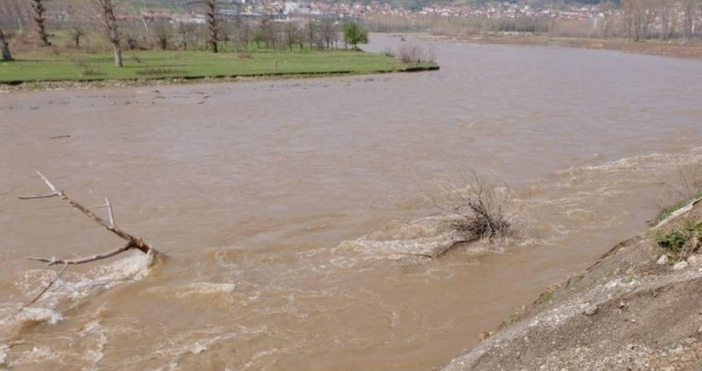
x=683, y=241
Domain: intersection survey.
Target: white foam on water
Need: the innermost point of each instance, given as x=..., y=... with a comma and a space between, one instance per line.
x=69, y=288
x=96, y=339
x=194, y=289
x=174, y=348
x=427, y=236
x=4, y=349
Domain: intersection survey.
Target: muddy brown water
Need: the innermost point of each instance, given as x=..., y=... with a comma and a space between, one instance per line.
x=281, y=204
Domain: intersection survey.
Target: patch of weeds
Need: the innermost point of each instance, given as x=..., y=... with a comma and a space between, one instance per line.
x=682, y=241
x=513, y=318
x=619, y=291
x=158, y=71
x=244, y=55
x=683, y=187
x=669, y=210
x=546, y=296
x=87, y=68
x=610, y=273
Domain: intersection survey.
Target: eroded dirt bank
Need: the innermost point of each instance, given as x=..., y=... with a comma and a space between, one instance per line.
x=628, y=311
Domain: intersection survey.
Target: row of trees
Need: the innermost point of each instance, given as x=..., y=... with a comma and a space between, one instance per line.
x=664, y=19
x=241, y=33
x=632, y=19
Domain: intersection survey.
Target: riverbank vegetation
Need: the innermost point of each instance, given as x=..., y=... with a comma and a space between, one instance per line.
x=681, y=238
x=684, y=187
x=100, y=45
x=671, y=28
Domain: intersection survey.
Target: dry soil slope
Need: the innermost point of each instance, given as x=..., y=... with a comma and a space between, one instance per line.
x=626, y=312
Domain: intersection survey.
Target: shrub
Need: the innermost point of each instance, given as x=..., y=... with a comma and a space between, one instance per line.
x=159, y=71
x=414, y=53
x=87, y=68
x=477, y=208
x=682, y=241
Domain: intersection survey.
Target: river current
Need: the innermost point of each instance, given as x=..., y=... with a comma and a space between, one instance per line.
x=290, y=212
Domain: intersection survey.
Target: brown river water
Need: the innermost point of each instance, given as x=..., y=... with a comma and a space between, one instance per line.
x=287, y=209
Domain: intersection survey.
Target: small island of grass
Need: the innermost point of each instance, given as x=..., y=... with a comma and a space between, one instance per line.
x=61, y=65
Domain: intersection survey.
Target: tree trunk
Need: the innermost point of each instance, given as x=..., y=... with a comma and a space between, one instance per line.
x=38, y=9
x=114, y=37
x=118, y=56
x=4, y=47
x=688, y=10
x=110, y=22
x=212, y=36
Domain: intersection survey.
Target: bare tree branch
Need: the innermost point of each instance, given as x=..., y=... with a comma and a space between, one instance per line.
x=42, y=291
x=110, y=212
x=109, y=254
x=132, y=241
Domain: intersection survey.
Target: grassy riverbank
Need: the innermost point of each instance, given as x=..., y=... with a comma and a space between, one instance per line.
x=60, y=65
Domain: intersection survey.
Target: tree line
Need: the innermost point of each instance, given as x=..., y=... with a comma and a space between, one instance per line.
x=241, y=34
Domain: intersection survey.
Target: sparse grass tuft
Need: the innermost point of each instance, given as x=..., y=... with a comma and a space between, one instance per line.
x=685, y=187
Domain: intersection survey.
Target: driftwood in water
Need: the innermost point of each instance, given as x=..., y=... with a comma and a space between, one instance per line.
x=132, y=241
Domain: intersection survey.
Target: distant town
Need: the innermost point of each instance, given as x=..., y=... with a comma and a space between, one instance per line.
x=195, y=13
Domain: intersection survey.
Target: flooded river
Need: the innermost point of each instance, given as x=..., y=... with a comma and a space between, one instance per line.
x=288, y=210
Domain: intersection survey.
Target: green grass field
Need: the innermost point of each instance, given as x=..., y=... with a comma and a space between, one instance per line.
x=74, y=65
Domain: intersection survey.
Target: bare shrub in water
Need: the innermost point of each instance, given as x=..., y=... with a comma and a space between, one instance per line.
x=414, y=53
x=477, y=207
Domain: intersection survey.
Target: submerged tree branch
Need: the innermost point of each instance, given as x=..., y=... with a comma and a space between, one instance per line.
x=132, y=241
x=51, y=283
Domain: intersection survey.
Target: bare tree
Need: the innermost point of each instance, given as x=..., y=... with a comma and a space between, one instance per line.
x=162, y=34
x=607, y=8
x=258, y=38
x=665, y=12
x=15, y=11
x=39, y=20
x=103, y=11
x=76, y=30
x=186, y=31
x=243, y=33
x=689, y=9
x=291, y=34
x=76, y=34
x=266, y=29
x=311, y=32
x=328, y=32
x=212, y=27
x=4, y=47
